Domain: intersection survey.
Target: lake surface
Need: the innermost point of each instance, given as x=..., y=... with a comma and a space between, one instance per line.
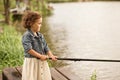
x=86, y=30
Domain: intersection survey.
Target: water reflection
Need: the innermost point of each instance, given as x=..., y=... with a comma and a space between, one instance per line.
x=87, y=30
x=55, y=38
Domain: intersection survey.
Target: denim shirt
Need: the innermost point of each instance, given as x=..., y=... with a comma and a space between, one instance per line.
x=37, y=43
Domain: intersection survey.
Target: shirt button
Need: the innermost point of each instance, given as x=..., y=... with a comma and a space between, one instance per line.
x=41, y=73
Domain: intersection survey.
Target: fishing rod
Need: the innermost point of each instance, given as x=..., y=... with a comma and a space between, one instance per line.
x=80, y=59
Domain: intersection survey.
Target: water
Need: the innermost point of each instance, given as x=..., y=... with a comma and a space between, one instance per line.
x=87, y=30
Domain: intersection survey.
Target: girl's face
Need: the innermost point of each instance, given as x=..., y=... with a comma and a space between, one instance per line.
x=37, y=25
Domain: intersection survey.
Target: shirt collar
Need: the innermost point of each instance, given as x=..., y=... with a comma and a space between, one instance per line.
x=39, y=34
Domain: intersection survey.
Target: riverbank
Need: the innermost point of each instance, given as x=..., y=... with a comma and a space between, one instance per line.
x=61, y=1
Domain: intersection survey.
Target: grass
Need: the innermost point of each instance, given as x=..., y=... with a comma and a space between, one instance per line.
x=11, y=51
x=94, y=76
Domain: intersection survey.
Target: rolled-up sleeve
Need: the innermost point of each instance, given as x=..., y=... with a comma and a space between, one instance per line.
x=26, y=41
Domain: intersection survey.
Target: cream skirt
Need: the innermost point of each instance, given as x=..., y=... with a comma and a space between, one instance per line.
x=35, y=69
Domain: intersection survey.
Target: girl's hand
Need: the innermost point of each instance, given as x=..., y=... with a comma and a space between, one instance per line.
x=43, y=57
x=54, y=58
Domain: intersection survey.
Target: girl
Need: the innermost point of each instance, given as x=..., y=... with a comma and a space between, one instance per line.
x=36, y=50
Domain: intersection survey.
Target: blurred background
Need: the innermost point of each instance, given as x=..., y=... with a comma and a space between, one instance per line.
x=72, y=28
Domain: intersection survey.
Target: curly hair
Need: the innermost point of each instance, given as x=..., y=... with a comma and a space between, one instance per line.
x=29, y=19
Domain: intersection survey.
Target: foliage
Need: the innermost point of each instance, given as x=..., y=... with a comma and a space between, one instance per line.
x=1, y=5
x=1, y=16
x=42, y=7
x=94, y=76
x=11, y=51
